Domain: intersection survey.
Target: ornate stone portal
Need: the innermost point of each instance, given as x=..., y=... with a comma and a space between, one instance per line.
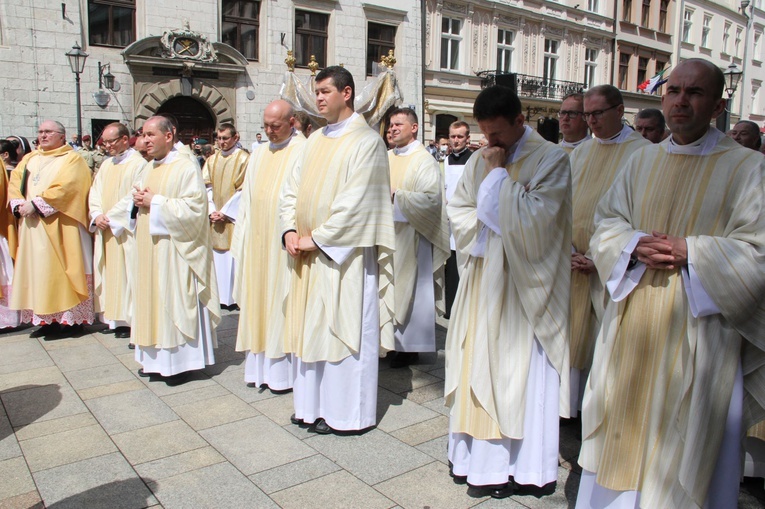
x=183, y=63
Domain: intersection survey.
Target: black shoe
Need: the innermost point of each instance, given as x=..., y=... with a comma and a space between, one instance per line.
x=294, y=420
x=144, y=374
x=72, y=331
x=322, y=428
x=131, y=346
x=503, y=491
x=493, y=491
x=179, y=379
x=50, y=329
x=404, y=359
x=122, y=332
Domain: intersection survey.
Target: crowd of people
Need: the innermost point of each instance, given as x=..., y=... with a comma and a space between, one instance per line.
x=616, y=278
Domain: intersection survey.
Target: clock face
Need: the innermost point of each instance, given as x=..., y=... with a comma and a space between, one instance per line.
x=185, y=47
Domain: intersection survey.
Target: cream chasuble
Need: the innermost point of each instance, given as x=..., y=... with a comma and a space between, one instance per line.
x=594, y=164
x=8, y=246
x=514, y=287
x=174, y=271
x=51, y=273
x=263, y=267
x=113, y=254
x=660, y=387
x=225, y=175
x=416, y=179
x=340, y=195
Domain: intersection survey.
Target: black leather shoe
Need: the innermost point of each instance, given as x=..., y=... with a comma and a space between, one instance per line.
x=404, y=359
x=294, y=420
x=143, y=374
x=322, y=428
x=122, y=332
x=503, y=491
x=131, y=346
x=50, y=329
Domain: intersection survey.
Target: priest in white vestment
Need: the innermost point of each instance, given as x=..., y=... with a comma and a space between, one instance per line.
x=263, y=267
x=338, y=226
x=573, y=126
x=679, y=363
x=114, y=246
x=224, y=174
x=176, y=295
x=422, y=239
x=507, y=358
x=53, y=276
x=594, y=164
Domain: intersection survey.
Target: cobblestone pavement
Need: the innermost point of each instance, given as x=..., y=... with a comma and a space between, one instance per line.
x=80, y=429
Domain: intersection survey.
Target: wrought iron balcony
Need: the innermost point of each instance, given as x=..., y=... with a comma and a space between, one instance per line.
x=531, y=86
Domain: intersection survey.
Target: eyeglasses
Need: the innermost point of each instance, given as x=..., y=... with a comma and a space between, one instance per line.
x=569, y=114
x=597, y=114
x=109, y=142
x=47, y=132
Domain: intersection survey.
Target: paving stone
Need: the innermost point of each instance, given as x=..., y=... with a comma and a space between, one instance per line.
x=99, y=375
x=227, y=353
x=395, y=412
x=436, y=448
x=9, y=446
x=292, y=474
x=33, y=361
x=340, y=489
x=426, y=393
x=279, y=408
x=82, y=357
x=110, y=390
x=43, y=428
x=256, y=444
x=180, y=463
x=64, y=343
x=37, y=403
x=115, y=345
x=22, y=352
x=564, y=495
x=214, y=412
x=57, y=449
x=15, y=478
x=216, y=486
x=128, y=360
x=194, y=396
x=233, y=380
x=130, y=410
x=197, y=380
x=46, y=375
x=29, y=500
x=439, y=373
x=423, y=431
x=391, y=457
x=427, y=486
x=222, y=367
x=438, y=405
x=105, y=482
x=155, y=442
x=405, y=379
x=507, y=503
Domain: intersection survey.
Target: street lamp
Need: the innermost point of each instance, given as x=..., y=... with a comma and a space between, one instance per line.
x=732, y=77
x=105, y=80
x=77, y=63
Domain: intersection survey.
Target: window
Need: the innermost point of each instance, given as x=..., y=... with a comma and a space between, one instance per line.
x=705, y=27
x=726, y=37
x=551, y=63
x=450, y=43
x=240, y=26
x=505, y=48
x=687, y=23
x=380, y=40
x=111, y=22
x=663, y=6
x=757, y=47
x=642, y=73
x=592, y=5
x=645, y=14
x=590, y=67
x=737, y=47
x=624, y=70
x=627, y=11
x=311, y=37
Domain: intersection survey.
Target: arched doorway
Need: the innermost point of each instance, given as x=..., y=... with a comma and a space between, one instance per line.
x=194, y=119
x=443, y=121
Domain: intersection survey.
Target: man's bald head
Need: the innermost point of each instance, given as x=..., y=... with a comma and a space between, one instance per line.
x=278, y=121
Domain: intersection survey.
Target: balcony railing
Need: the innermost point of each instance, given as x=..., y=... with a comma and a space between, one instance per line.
x=531, y=86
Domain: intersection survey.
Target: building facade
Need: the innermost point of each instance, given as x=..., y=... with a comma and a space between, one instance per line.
x=206, y=61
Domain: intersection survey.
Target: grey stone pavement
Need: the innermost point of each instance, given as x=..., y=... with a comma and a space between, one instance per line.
x=80, y=429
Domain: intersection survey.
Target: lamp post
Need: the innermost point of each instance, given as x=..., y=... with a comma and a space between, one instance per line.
x=732, y=76
x=105, y=80
x=77, y=63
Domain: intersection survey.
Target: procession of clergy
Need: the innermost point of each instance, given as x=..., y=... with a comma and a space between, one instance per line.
x=607, y=275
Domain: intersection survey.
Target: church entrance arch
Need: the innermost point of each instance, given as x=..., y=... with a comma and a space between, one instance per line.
x=194, y=118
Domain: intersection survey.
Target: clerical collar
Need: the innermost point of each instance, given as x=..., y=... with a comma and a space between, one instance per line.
x=617, y=138
x=573, y=144
x=514, y=150
x=338, y=129
x=279, y=146
x=408, y=149
x=120, y=158
x=169, y=158
x=701, y=147
x=457, y=154
x=226, y=153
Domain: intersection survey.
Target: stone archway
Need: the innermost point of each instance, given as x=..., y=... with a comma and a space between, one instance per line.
x=156, y=94
x=195, y=120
